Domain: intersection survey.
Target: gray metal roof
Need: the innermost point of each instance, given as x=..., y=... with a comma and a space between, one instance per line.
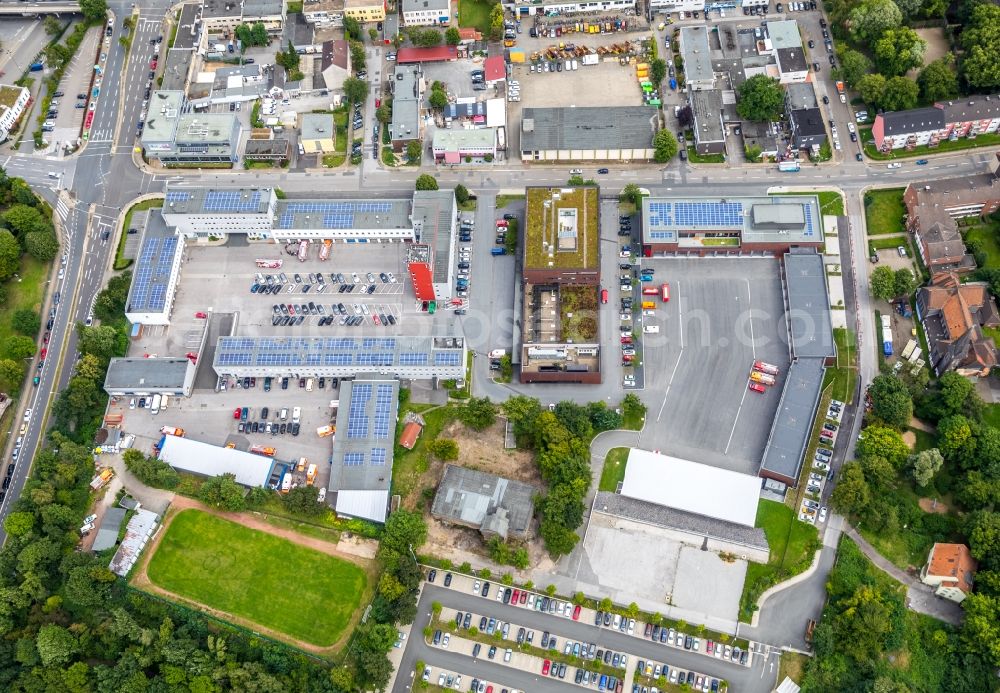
x=595, y=127
x=369, y=505
x=662, y=516
x=176, y=69
x=471, y=497
x=784, y=33
x=366, y=430
x=434, y=214
x=807, y=122
x=786, y=444
x=912, y=121
x=706, y=107
x=318, y=126
x=221, y=8
x=696, y=54
x=137, y=374
x=193, y=456
x=792, y=60
x=107, y=533
x=809, y=305
x=137, y=533
x=262, y=8
x=405, y=103
x=800, y=95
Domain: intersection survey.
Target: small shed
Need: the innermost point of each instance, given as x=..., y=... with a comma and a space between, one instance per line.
x=411, y=431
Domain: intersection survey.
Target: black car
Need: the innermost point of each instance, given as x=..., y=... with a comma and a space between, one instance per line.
x=295, y=429
x=506, y=595
x=607, y=618
x=282, y=429
x=602, y=171
x=468, y=621
x=264, y=412
x=284, y=383
x=482, y=624
x=562, y=671
x=492, y=652
x=431, y=575
x=447, y=579
x=486, y=590
x=598, y=618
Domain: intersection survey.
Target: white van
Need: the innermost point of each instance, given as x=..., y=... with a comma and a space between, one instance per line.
x=295, y=414
x=309, y=386
x=155, y=407
x=283, y=415
x=651, y=329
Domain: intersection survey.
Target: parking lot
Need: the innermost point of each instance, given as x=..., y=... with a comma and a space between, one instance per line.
x=76, y=82
x=723, y=314
x=604, y=84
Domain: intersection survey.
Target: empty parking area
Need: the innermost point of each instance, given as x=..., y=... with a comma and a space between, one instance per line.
x=604, y=84
x=723, y=314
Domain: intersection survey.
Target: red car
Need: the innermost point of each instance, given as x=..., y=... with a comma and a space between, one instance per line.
x=514, y=597
x=546, y=665
x=44, y=352
x=576, y=613
x=200, y=315
x=237, y=412
x=757, y=387
x=626, y=340
x=524, y=597
x=501, y=223
x=152, y=64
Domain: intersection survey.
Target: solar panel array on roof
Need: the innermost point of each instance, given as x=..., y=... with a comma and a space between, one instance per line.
x=713, y=214
x=412, y=359
x=383, y=405
x=357, y=422
x=178, y=196
x=809, y=229
x=354, y=459
x=231, y=201
x=445, y=358
x=334, y=215
x=152, y=275
x=297, y=351
x=378, y=457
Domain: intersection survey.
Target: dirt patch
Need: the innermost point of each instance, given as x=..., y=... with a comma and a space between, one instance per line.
x=910, y=438
x=929, y=505
x=937, y=46
x=347, y=549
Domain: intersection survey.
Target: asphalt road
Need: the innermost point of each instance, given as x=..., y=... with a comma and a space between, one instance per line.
x=753, y=679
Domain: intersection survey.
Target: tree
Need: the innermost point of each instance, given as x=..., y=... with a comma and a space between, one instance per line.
x=658, y=70
x=24, y=219
x=852, y=494
x=427, y=38
x=53, y=27
x=94, y=10
x=461, y=194
x=11, y=374
x=358, y=60
x=853, y=66
x=496, y=21
x=900, y=94
x=373, y=34
x=223, y=492
x=891, y=404
x=981, y=627
x=99, y=340
x=355, y=90
x=352, y=28
x=305, y=501
x=879, y=473
x=19, y=347
x=983, y=530
x=413, y=151
x=18, y=524
x=56, y=645
x=559, y=540
x=685, y=117
x=603, y=417
x=871, y=88
x=882, y=441
x=452, y=36
x=444, y=449
x=42, y=245
x=938, y=81
x=883, y=283
x=404, y=531
x=909, y=8
x=956, y=395
x=924, y=465
x=478, y=413
x=665, y=146
x=631, y=193
x=956, y=440
x=10, y=255
x=26, y=321
x=872, y=18
x=383, y=113
x=761, y=99
x=426, y=181
x=438, y=99
x=259, y=34
x=981, y=40
x=904, y=281
x=899, y=50
x=863, y=623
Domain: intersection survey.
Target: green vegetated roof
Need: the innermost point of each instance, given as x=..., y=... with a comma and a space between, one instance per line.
x=543, y=223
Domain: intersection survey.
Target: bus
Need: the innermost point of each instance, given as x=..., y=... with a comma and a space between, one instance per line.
x=665, y=293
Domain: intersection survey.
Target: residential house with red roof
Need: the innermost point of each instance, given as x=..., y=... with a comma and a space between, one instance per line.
x=950, y=569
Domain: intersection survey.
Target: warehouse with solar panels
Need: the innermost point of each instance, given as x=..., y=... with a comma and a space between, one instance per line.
x=419, y=358
x=155, y=274
x=751, y=226
x=361, y=461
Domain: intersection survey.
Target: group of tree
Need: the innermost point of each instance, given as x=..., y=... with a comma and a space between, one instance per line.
x=496, y=21
x=358, y=59
x=355, y=90
x=352, y=29
x=980, y=41
x=888, y=285
x=151, y=471
x=439, y=95
x=761, y=99
x=426, y=37
x=252, y=34
x=560, y=439
x=664, y=146
x=288, y=59
x=426, y=181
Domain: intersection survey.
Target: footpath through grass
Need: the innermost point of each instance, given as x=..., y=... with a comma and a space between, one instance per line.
x=271, y=581
x=792, y=544
x=884, y=211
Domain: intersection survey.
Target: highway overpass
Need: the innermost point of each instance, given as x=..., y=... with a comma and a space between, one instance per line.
x=29, y=9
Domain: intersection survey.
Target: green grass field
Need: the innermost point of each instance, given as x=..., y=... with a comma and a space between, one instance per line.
x=268, y=580
x=475, y=13
x=884, y=210
x=614, y=469
x=985, y=234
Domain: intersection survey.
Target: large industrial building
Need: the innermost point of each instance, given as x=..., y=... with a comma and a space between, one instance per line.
x=361, y=461
x=142, y=377
x=600, y=133
x=561, y=266
x=759, y=225
x=205, y=459
x=486, y=502
x=155, y=274
x=431, y=258
x=176, y=137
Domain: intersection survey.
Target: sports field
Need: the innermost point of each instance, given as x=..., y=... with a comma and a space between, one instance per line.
x=271, y=581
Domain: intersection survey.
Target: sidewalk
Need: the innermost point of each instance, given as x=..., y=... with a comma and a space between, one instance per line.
x=919, y=597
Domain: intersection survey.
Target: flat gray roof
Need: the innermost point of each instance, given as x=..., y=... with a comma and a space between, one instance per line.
x=318, y=126
x=161, y=373
x=784, y=33
x=706, y=107
x=809, y=305
x=107, y=533
x=696, y=54
x=363, y=445
x=262, y=8
x=421, y=5
x=660, y=515
x=161, y=119
x=760, y=219
x=217, y=200
x=800, y=95
x=597, y=127
x=468, y=496
x=434, y=213
x=221, y=8
x=405, y=103
x=187, y=33
x=342, y=215
x=786, y=444
x=176, y=69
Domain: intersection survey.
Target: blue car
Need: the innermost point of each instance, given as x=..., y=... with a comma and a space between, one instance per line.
x=921, y=162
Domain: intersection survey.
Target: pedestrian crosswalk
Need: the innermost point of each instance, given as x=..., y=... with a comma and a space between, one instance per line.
x=62, y=209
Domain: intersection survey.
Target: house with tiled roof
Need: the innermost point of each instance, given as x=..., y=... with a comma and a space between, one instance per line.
x=953, y=315
x=950, y=569
x=931, y=212
x=945, y=120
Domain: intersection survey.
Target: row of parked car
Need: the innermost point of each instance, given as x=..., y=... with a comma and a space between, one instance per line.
x=653, y=670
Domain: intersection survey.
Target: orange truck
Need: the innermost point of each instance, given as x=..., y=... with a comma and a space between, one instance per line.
x=763, y=378
x=172, y=431
x=102, y=478
x=326, y=431
x=263, y=450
